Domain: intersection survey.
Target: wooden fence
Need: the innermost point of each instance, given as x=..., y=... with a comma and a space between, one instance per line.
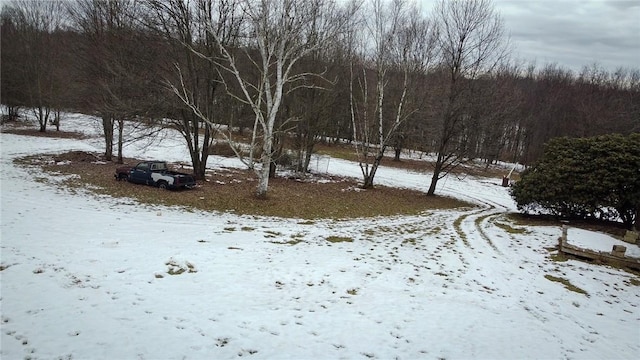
x=615, y=257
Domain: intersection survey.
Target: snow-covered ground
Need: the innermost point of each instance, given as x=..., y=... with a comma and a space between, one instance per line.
x=87, y=277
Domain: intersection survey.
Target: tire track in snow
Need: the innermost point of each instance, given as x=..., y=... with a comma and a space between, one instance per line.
x=474, y=220
x=541, y=312
x=473, y=233
x=478, y=222
x=457, y=225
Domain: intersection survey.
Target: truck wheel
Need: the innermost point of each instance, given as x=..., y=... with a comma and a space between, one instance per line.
x=163, y=185
x=123, y=177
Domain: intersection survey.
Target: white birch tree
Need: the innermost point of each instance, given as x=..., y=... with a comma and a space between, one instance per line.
x=275, y=36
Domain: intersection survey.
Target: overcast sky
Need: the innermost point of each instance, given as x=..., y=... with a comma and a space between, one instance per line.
x=574, y=33
x=571, y=33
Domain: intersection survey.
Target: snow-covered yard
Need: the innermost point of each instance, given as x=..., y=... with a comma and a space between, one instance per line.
x=88, y=277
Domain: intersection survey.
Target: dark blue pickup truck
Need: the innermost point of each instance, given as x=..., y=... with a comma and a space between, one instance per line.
x=155, y=173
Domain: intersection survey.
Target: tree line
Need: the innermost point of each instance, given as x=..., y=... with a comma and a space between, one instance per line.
x=284, y=75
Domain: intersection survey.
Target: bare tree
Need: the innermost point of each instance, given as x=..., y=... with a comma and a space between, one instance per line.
x=558, y=102
x=35, y=22
x=192, y=78
x=12, y=86
x=314, y=109
x=397, y=42
x=492, y=113
x=99, y=21
x=118, y=62
x=278, y=34
x=471, y=42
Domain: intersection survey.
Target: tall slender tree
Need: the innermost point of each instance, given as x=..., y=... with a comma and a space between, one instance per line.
x=118, y=62
x=278, y=35
x=192, y=76
x=397, y=43
x=102, y=22
x=471, y=42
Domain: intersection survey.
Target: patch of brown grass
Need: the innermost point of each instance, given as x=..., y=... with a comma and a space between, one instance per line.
x=232, y=190
x=567, y=284
x=48, y=133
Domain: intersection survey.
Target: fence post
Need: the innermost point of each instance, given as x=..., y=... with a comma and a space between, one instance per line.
x=618, y=250
x=563, y=237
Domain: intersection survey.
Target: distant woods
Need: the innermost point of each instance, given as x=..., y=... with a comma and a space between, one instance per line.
x=287, y=74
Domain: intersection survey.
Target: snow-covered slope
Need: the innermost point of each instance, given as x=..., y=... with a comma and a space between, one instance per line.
x=87, y=277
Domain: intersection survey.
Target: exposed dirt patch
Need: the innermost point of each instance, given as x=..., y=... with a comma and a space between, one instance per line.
x=232, y=190
x=48, y=133
x=78, y=156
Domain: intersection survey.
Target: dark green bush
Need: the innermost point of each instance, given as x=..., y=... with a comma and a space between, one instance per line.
x=581, y=178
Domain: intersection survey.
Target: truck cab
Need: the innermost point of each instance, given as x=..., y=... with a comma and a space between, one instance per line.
x=142, y=173
x=155, y=173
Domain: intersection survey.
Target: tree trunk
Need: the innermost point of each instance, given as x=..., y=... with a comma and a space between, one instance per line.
x=432, y=187
x=107, y=127
x=272, y=169
x=199, y=156
x=436, y=176
x=307, y=157
x=263, y=174
x=120, y=140
x=263, y=181
x=368, y=179
x=185, y=131
x=398, y=151
x=43, y=118
x=201, y=170
x=56, y=119
x=197, y=166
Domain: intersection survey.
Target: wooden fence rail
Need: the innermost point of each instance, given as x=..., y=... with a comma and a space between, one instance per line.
x=615, y=257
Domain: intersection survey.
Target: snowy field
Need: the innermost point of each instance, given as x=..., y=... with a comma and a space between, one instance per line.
x=87, y=277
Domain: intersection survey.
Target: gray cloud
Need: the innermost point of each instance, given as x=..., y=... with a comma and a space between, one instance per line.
x=574, y=33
